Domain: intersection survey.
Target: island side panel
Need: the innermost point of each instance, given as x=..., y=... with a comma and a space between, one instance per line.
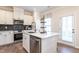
x=49, y=45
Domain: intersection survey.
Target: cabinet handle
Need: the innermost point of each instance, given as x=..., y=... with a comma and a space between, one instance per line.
x=73, y=30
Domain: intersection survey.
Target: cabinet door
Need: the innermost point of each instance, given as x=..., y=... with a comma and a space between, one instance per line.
x=6, y=17
x=9, y=17
x=28, y=20
x=9, y=37
x=2, y=18
x=6, y=37
x=26, y=42
x=2, y=38
x=18, y=13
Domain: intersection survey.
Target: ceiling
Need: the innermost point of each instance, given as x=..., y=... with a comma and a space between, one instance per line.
x=38, y=8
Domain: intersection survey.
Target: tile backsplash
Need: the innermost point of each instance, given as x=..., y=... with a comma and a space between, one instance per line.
x=6, y=27
x=27, y=27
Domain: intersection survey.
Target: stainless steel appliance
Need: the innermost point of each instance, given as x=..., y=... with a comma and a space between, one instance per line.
x=35, y=44
x=18, y=27
x=18, y=36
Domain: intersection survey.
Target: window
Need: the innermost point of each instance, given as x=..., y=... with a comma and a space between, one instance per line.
x=48, y=24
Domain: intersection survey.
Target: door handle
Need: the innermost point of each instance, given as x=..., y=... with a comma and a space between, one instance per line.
x=73, y=30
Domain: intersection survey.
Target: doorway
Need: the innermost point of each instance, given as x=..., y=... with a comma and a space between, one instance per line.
x=68, y=29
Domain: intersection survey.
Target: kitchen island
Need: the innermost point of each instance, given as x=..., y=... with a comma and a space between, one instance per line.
x=40, y=42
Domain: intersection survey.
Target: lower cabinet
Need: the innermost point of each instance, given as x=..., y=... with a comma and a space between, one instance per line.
x=26, y=42
x=6, y=37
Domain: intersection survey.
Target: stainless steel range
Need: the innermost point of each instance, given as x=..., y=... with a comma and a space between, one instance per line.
x=18, y=27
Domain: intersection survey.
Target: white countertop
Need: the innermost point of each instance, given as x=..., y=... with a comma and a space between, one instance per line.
x=42, y=35
x=45, y=35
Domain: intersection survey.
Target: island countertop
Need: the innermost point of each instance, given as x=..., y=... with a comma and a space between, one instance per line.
x=42, y=35
x=46, y=42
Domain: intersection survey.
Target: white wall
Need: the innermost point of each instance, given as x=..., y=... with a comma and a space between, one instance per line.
x=56, y=21
x=36, y=16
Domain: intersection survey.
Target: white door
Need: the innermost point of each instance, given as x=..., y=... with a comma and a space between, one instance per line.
x=68, y=29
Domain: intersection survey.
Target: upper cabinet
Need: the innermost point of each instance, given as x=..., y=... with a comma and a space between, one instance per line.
x=6, y=17
x=2, y=18
x=18, y=13
x=28, y=19
x=9, y=17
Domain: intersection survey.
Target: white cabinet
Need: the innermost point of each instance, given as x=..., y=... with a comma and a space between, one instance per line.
x=28, y=20
x=26, y=42
x=18, y=13
x=6, y=37
x=6, y=17
x=1, y=38
x=2, y=18
x=9, y=17
x=43, y=45
x=49, y=45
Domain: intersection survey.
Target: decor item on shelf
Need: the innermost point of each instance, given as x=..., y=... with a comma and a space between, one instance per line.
x=42, y=28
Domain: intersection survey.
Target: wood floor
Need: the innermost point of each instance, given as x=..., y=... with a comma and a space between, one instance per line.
x=62, y=48
x=17, y=48
x=12, y=48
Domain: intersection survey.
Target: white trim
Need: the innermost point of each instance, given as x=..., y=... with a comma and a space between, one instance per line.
x=66, y=43
x=77, y=47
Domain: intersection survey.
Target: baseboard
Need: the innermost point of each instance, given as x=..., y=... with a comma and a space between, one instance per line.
x=66, y=43
x=77, y=47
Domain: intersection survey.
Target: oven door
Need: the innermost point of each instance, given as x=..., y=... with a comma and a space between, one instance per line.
x=18, y=36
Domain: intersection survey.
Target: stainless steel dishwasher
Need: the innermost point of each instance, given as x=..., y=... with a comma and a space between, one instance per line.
x=35, y=44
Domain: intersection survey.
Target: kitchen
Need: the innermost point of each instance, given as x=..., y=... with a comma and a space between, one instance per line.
x=31, y=29
x=18, y=22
